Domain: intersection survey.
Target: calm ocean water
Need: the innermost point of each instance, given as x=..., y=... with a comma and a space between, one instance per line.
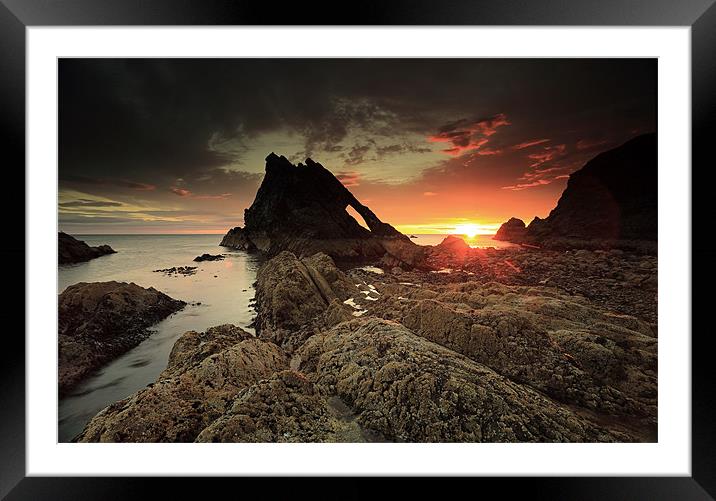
x=224, y=289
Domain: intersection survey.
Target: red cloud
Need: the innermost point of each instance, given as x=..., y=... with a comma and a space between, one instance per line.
x=349, y=178
x=180, y=191
x=140, y=186
x=466, y=135
x=429, y=194
x=585, y=144
x=522, y=186
x=528, y=144
x=211, y=197
x=541, y=172
x=548, y=154
x=488, y=151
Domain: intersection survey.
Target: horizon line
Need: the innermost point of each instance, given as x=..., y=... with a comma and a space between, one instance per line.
x=223, y=233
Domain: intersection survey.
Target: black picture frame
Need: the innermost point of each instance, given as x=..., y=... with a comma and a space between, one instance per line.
x=17, y=15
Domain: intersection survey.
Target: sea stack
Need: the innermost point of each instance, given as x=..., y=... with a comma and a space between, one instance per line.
x=302, y=208
x=514, y=230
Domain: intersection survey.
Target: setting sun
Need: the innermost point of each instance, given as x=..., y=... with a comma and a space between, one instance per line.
x=471, y=229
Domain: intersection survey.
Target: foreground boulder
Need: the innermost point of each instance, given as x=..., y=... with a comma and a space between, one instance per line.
x=302, y=208
x=410, y=389
x=70, y=250
x=100, y=321
x=561, y=345
x=204, y=374
x=291, y=293
x=362, y=380
x=224, y=385
x=285, y=408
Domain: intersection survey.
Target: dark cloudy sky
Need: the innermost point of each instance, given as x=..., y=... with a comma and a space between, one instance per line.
x=178, y=145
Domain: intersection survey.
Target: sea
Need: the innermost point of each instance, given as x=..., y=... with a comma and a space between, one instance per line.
x=478, y=241
x=220, y=292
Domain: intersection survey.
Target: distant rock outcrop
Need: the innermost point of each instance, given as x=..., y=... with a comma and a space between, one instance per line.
x=452, y=251
x=209, y=257
x=302, y=208
x=99, y=321
x=70, y=250
x=611, y=201
x=514, y=230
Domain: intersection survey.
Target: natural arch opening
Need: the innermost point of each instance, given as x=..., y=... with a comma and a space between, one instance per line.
x=356, y=215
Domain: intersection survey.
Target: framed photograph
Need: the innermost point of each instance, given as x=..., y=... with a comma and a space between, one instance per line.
x=422, y=241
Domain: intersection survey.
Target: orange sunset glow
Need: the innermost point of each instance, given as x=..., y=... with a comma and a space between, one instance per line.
x=431, y=146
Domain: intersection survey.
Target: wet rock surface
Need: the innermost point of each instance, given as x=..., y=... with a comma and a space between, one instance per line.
x=70, y=250
x=100, y=321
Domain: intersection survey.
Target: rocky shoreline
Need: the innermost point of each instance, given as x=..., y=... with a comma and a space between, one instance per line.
x=417, y=356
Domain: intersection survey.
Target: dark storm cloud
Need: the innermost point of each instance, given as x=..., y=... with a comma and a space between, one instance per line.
x=141, y=114
x=357, y=153
x=394, y=149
